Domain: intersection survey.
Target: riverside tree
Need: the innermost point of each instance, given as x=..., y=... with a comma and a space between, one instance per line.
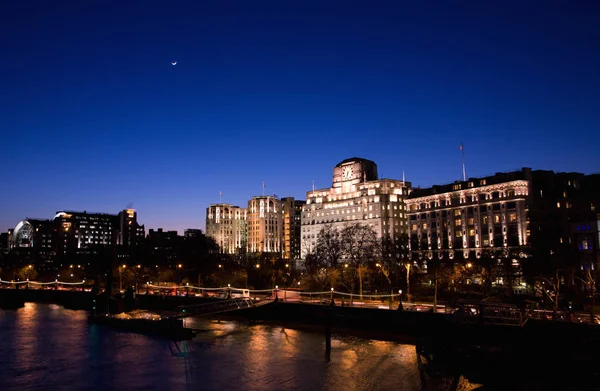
x=361, y=248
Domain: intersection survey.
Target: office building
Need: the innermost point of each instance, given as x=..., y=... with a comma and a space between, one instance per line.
x=226, y=224
x=265, y=225
x=292, y=224
x=356, y=195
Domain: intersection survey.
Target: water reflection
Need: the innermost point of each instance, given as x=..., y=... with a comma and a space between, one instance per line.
x=55, y=349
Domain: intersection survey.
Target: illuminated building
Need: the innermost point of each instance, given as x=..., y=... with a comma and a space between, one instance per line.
x=226, y=224
x=468, y=216
x=34, y=237
x=507, y=215
x=265, y=225
x=356, y=195
x=292, y=216
x=72, y=233
x=130, y=233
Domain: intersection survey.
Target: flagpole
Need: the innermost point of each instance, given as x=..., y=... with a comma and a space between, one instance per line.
x=464, y=171
x=220, y=197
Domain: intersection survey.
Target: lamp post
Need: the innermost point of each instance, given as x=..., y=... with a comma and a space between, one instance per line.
x=276, y=290
x=332, y=302
x=121, y=268
x=400, y=300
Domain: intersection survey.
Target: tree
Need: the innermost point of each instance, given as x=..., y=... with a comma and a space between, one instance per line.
x=27, y=273
x=549, y=287
x=361, y=247
x=589, y=282
x=329, y=246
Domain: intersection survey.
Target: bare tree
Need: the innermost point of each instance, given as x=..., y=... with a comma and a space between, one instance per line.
x=549, y=287
x=361, y=247
x=329, y=246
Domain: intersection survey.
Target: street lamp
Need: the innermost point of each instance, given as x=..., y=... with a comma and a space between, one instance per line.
x=120, y=276
x=399, y=299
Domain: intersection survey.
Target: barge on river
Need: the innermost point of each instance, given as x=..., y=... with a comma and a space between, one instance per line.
x=145, y=323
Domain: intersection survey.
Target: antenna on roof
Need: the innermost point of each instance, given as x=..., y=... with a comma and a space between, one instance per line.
x=220, y=197
x=313, y=185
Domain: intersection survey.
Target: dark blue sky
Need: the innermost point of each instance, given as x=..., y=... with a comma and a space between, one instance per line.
x=93, y=115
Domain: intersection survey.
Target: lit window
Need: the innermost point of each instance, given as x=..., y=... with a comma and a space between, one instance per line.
x=512, y=217
x=458, y=222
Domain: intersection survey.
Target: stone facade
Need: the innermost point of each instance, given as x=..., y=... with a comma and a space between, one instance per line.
x=226, y=224
x=356, y=195
x=265, y=225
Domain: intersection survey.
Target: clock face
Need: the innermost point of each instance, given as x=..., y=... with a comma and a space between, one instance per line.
x=347, y=173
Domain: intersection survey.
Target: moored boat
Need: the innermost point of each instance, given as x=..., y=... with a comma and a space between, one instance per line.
x=150, y=324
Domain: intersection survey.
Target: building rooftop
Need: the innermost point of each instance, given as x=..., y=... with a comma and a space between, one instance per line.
x=354, y=159
x=500, y=177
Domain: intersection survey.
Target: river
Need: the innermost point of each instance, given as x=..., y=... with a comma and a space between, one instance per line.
x=47, y=347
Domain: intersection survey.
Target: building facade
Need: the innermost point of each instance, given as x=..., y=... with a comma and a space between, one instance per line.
x=226, y=224
x=72, y=233
x=511, y=215
x=466, y=217
x=356, y=195
x=292, y=219
x=265, y=225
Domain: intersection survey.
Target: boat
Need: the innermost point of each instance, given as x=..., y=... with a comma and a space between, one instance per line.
x=145, y=323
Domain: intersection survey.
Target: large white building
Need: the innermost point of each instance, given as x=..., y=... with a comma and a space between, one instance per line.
x=226, y=224
x=356, y=195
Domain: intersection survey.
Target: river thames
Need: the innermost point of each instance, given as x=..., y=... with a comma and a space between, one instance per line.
x=47, y=347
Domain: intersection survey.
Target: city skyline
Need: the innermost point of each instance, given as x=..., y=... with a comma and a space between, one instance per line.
x=99, y=119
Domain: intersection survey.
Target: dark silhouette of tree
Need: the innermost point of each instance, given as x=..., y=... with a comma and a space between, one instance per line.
x=361, y=248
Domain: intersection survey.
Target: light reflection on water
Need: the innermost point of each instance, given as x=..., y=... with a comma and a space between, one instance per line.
x=46, y=347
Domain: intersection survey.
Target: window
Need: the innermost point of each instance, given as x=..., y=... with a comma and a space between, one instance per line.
x=458, y=234
x=424, y=225
x=496, y=219
x=471, y=221
x=558, y=204
x=457, y=212
x=414, y=227
x=471, y=232
x=585, y=245
x=512, y=217
x=486, y=220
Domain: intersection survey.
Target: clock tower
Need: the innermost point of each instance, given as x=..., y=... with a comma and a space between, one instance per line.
x=352, y=171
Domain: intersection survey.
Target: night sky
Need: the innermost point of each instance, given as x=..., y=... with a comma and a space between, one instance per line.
x=94, y=117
